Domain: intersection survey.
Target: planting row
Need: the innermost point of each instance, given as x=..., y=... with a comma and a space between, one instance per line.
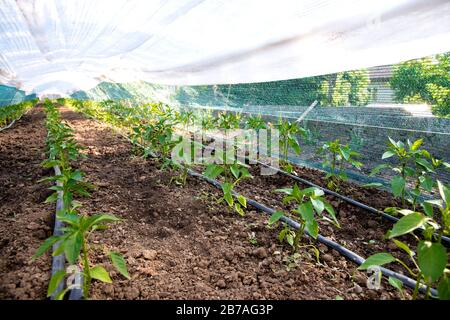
x=152, y=129
x=73, y=240
x=11, y=113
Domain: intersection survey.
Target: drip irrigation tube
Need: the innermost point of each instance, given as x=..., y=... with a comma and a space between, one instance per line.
x=342, y=250
x=59, y=261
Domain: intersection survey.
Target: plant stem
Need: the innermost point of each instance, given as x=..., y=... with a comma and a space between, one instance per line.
x=87, y=273
x=404, y=179
x=427, y=294
x=298, y=236
x=416, y=288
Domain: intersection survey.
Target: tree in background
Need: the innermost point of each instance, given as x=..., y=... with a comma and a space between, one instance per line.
x=345, y=88
x=425, y=80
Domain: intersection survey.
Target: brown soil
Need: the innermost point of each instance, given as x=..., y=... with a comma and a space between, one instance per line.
x=360, y=231
x=178, y=243
x=25, y=220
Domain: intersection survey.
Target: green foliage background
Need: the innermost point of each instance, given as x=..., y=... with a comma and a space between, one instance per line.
x=425, y=80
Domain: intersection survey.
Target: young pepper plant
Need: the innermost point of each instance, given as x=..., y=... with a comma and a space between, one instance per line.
x=75, y=246
x=336, y=156
x=71, y=183
x=410, y=164
x=310, y=203
x=183, y=157
x=287, y=133
x=255, y=123
x=232, y=174
x=228, y=120
x=431, y=259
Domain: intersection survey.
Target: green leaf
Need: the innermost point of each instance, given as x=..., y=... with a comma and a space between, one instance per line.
x=372, y=185
x=290, y=239
x=46, y=245
x=294, y=145
x=61, y=294
x=316, y=192
x=444, y=191
x=238, y=208
x=444, y=289
x=428, y=208
x=388, y=154
x=407, y=224
x=378, y=168
x=345, y=153
x=70, y=218
x=392, y=142
x=329, y=208
x=391, y=210
x=52, y=198
x=226, y=188
x=432, y=259
x=235, y=171
x=313, y=228
x=99, y=219
x=318, y=205
x=285, y=190
x=54, y=281
x=119, y=263
x=425, y=164
x=377, y=259
x=395, y=283
x=77, y=175
x=397, y=185
x=213, y=171
x=404, y=247
x=100, y=273
x=306, y=211
x=416, y=144
x=282, y=234
x=275, y=217
x=242, y=200
x=72, y=247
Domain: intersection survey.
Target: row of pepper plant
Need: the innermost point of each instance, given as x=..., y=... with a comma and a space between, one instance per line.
x=13, y=112
x=63, y=150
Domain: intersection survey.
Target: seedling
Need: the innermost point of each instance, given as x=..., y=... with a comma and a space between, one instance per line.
x=75, y=246
x=70, y=183
x=157, y=137
x=412, y=164
x=430, y=261
x=252, y=239
x=255, y=123
x=183, y=158
x=288, y=132
x=228, y=120
x=310, y=202
x=186, y=118
x=336, y=156
x=232, y=174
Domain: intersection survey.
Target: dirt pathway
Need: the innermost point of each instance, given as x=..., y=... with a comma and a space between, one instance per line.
x=24, y=220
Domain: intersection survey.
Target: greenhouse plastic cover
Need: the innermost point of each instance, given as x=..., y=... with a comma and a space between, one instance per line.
x=57, y=46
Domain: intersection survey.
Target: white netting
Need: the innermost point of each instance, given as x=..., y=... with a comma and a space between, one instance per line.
x=58, y=46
